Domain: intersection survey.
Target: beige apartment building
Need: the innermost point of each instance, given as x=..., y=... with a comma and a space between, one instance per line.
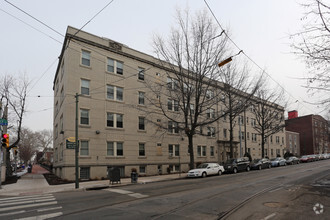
x=114, y=127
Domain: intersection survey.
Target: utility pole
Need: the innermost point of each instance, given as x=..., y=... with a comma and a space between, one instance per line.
x=77, y=146
x=1, y=147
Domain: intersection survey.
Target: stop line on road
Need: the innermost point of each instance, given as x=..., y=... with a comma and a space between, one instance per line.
x=126, y=192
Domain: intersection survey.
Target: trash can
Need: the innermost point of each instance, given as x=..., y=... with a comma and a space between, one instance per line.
x=114, y=175
x=134, y=177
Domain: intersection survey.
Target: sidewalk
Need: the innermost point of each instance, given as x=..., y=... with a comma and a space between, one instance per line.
x=35, y=183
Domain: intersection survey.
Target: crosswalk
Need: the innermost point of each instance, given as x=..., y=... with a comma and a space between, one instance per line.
x=126, y=192
x=29, y=207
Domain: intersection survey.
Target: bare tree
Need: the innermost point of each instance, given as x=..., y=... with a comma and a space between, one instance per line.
x=236, y=95
x=269, y=115
x=44, y=139
x=13, y=96
x=313, y=45
x=189, y=100
x=26, y=147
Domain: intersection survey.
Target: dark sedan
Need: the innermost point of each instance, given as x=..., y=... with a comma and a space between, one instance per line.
x=259, y=164
x=292, y=160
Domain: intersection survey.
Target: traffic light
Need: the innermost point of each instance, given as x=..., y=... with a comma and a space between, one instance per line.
x=5, y=140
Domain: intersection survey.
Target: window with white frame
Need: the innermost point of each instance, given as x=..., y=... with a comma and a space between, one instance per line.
x=115, y=149
x=209, y=94
x=172, y=83
x=210, y=113
x=173, y=127
x=141, y=123
x=85, y=58
x=115, y=93
x=84, y=116
x=85, y=86
x=174, y=150
x=142, y=150
x=141, y=98
x=212, y=151
x=211, y=131
x=277, y=139
x=84, y=148
x=172, y=105
x=201, y=151
x=141, y=73
x=114, y=66
x=115, y=120
x=142, y=169
x=253, y=122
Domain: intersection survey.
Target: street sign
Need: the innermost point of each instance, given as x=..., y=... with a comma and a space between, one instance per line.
x=71, y=145
x=3, y=121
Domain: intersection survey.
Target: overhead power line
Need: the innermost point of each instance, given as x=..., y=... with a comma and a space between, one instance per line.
x=263, y=70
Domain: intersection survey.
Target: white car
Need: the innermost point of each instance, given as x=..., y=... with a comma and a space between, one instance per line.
x=206, y=169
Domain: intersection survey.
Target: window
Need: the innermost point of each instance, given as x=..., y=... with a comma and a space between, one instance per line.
x=254, y=137
x=248, y=135
x=212, y=151
x=209, y=94
x=224, y=133
x=84, y=151
x=247, y=120
x=174, y=150
x=84, y=87
x=115, y=93
x=115, y=149
x=142, y=149
x=241, y=135
x=141, y=123
x=192, y=109
x=172, y=83
x=142, y=169
x=84, y=173
x=141, y=98
x=85, y=58
x=210, y=113
x=253, y=122
x=113, y=65
x=141, y=73
x=84, y=117
x=201, y=151
x=173, y=127
x=114, y=120
x=277, y=139
x=211, y=131
x=172, y=105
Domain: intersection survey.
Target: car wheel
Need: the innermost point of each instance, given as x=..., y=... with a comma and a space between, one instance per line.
x=269, y=166
x=235, y=170
x=284, y=164
x=247, y=168
x=204, y=174
x=220, y=172
x=259, y=167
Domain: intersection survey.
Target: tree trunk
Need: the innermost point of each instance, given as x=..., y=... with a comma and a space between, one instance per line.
x=231, y=138
x=191, y=152
x=9, y=171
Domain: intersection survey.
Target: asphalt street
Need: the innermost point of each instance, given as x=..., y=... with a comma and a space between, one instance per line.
x=277, y=193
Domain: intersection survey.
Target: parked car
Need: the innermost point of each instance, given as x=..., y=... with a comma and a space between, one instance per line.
x=305, y=159
x=206, y=169
x=292, y=160
x=278, y=161
x=236, y=165
x=259, y=164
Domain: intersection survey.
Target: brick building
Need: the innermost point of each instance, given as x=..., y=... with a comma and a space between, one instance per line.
x=313, y=133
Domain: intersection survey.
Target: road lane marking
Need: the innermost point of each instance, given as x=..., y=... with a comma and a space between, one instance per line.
x=26, y=197
x=25, y=202
x=27, y=206
x=129, y=193
x=13, y=213
x=49, y=209
x=42, y=217
x=269, y=216
x=274, y=190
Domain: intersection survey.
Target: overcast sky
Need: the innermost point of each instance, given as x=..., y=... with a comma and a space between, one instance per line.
x=260, y=28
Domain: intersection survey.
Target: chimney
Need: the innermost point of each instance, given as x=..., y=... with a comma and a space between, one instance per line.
x=293, y=114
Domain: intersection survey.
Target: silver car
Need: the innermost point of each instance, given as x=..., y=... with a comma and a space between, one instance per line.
x=278, y=161
x=206, y=169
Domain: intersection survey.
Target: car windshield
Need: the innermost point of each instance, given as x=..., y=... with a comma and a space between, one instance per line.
x=231, y=161
x=204, y=165
x=255, y=160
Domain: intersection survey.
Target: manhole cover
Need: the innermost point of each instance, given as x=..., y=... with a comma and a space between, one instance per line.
x=274, y=204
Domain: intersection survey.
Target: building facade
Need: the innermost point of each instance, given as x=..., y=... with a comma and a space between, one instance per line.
x=313, y=133
x=292, y=143
x=114, y=129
